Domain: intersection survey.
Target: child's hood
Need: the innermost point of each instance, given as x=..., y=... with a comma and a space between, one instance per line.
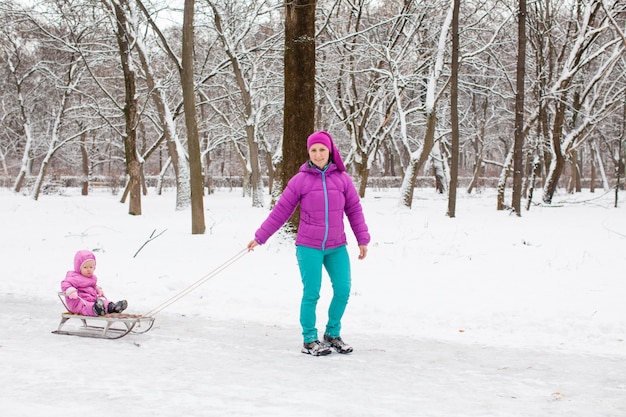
x=81, y=257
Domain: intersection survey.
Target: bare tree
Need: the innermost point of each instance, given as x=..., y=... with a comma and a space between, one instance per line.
x=419, y=156
x=21, y=71
x=480, y=108
x=588, y=47
x=61, y=36
x=193, y=141
x=299, y=107
x=244, y=64
x=133, y=163
x=518, y=147
x=73, y=77
x=58, y=116
x=166, y=117
x=454, y=110
x=382, y=74
x=367, y=75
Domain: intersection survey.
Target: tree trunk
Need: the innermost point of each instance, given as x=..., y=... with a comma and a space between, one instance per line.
x=478, y=167
x=536, y=169
x=256, y=181
x=363, y=176
x=574, y=185
x=27, y=159
x=620, y=166
x=417, y=161
x=193, y=141
x=500, y=204
x=208, y=179
x=42, y=174
x=299, y=80
x=479, y=146
x=592, y=168
x=619, y=169
x=454, y=112
x=421, y=155
x=598, y=159
x=270, y=171
x=85, y=166
x=558, y=161
x=174, y=147
x=133, y=165
x=441, y=171
x=518, y=145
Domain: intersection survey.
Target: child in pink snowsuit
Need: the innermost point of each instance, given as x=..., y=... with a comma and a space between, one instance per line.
x=82, y=294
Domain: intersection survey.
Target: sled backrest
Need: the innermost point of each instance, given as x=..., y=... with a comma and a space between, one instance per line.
x=61, y=296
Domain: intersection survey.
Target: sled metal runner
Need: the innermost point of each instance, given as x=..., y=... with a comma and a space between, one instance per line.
x=109, y=326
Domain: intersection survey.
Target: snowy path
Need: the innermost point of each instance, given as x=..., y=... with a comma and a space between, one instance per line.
x=200, y=367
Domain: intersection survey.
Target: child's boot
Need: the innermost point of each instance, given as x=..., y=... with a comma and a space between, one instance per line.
x=98, y=307
x=117, y=307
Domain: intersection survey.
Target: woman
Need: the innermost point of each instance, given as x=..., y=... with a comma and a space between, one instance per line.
x=325, y=192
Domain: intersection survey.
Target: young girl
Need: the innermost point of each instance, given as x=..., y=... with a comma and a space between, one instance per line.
x=82, y=294
x=325, y=193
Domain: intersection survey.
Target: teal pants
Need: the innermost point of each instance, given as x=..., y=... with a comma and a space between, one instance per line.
x=337, y=263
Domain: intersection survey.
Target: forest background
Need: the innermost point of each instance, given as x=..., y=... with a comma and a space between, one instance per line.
x=92, y=94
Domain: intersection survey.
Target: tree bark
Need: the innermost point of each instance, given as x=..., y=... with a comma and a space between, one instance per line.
x=518, y=145
x=166, y=119
x=133, y=165
x=454, y=112
x=193, y=141
x=85, y=166
x=27, y=157
x=421, y=155
x=299, y=81
x=417, y=160
x=558, y=160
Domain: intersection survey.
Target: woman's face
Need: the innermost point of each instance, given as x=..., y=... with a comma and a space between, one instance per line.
x=319, y=155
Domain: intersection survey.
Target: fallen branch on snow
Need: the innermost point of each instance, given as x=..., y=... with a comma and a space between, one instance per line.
x=150, y=239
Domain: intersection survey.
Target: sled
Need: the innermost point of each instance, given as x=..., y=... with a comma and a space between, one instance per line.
x=109, y=326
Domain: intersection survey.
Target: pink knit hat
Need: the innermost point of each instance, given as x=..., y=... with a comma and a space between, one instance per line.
x=325, y=139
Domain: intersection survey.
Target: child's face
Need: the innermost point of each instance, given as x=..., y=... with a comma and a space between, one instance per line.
x=87, y=268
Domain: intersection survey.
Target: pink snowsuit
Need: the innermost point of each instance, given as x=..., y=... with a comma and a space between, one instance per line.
x=88, y=291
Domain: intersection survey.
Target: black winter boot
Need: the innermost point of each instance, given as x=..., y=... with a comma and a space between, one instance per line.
x=98, y=307
x=117, y=307
x=338, y=344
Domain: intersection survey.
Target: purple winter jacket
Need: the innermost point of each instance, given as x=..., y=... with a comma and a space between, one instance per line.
x=324, y=197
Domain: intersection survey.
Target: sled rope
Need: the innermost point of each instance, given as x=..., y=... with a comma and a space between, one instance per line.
x=195, y=285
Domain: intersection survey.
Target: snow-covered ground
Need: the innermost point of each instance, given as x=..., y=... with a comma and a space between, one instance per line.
x=485, y=314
